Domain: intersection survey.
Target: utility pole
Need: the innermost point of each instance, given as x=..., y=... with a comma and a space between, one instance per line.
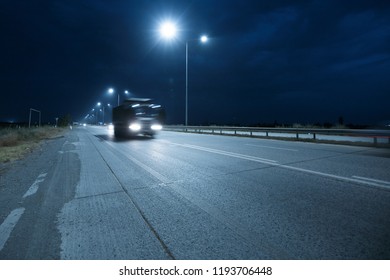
x=29, y=120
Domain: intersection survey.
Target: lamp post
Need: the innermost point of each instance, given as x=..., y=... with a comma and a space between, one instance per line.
x=95, y=114
x=111, y=91
x=203, y=39
x=168, y=31
x=186, y=118
x=126, y=92
x=99, y=105
x=103, y=109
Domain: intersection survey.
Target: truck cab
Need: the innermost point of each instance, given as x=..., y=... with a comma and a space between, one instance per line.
x=137, y=116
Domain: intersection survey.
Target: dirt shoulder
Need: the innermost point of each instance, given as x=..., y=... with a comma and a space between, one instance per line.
x=16, y=143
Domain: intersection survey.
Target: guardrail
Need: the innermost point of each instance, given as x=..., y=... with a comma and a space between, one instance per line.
x=368, y=137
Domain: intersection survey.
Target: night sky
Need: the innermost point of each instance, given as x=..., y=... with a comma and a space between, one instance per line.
x=266, y=61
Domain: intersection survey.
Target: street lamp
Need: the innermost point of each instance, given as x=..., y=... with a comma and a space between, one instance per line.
x=203, y=39
x=95, y=114
x=99, y=104
x=168, y=30
x=103, y=109
x=126, y=92
x=111, y=91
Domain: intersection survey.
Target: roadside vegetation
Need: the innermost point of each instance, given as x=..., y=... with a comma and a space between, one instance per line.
x=15, y=143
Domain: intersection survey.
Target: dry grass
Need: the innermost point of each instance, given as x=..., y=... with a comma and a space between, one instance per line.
x=17, y=142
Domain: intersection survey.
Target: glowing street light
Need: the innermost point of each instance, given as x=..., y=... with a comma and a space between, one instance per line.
x=111, y=91
x=168, y=30
x=97, y=113
x=103, y=109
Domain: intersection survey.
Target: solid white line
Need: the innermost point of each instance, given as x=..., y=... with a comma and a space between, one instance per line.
x=274, y=163
x=372, y=180
x=8, y=225
x=269, y=147
x=337, y=177
x=34, y=187
x=231, y=154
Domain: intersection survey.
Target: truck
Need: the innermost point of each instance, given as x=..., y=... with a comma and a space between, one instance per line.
x=137, y=116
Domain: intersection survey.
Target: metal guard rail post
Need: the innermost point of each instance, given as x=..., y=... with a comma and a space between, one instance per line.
x=310, y=133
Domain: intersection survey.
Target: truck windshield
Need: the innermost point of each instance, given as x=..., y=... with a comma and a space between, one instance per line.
x=146, y=111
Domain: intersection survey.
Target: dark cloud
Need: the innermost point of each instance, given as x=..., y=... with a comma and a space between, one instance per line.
x=285, y=61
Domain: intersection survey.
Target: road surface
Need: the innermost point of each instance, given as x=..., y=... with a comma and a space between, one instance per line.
x=191, y=196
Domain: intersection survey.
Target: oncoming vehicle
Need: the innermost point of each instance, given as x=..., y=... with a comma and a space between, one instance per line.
x=137, y=116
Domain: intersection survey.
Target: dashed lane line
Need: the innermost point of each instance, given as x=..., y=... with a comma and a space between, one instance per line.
x=34, y=187
x=8, y=225
x=12, y=219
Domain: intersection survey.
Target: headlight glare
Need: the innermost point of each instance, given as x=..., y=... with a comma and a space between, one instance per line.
x=135, y=127
x=156, y=126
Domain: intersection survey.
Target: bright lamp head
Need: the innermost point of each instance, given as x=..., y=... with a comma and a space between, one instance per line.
x=168, y=30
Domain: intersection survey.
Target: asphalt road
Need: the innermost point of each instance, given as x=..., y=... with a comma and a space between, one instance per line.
x=191, y=196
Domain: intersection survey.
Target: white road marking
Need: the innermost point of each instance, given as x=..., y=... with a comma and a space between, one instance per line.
x=43, y=175
x=231, y=154
x=369, y=182
x=10, y=222
x=269, y=147
x=374, y=181
x=8, y=225
x=34, y=187
x=337, y=177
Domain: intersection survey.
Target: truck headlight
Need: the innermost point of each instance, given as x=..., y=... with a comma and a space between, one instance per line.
x=135, y=127
x=156, y=127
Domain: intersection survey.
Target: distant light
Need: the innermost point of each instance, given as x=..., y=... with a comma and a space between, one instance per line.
x=99, y=103
x=126, y=92
x=135, y=105
x=168, y=30
x=204, y=39
x=110, y=90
